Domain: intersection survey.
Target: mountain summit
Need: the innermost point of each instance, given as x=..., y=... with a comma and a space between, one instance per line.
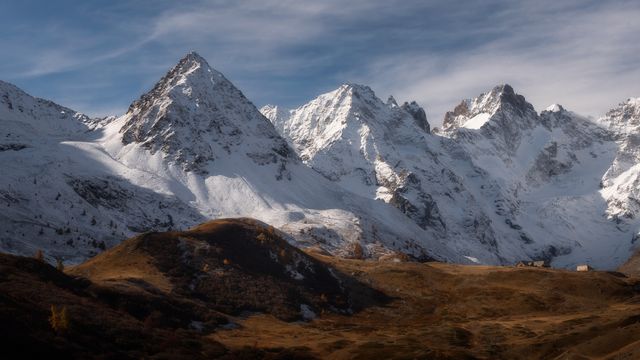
x=501, y=105
x=194, y=115
x=336, y=132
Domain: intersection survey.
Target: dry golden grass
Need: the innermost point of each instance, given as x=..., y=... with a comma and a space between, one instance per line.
x=123, y=262
x=230, y=265
x=139, y=300
x=452, y=311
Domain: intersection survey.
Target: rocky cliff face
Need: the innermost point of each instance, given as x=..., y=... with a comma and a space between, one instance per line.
x=418, y=115
x=500, y=115
x=620, y=182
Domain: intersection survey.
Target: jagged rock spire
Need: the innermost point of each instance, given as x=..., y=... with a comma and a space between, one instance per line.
x=475, y=113
x=419, y=115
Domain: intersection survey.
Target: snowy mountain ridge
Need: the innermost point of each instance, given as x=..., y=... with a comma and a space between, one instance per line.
x=346, y=172
x=192, y=148
x=381, y=151
x=529, y=183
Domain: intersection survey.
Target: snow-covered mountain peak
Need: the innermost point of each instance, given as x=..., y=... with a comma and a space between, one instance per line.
x=415, y=110
x=191, y=79
x=352, y=113
x=358, y=90
x=624, y=118
x=360, y=99
x=556, y=115
x=194, y=57
x=198, y=150
x=328, y=112
x=195, y=67
x=351, y=136
x=475, y=113
x=504, y=184
x=498, y=118
x=383, y=151
x=194, y=115
x=555, y=108
x=361, y=104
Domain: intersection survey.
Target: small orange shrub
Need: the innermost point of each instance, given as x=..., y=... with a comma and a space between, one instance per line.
x=59, y=319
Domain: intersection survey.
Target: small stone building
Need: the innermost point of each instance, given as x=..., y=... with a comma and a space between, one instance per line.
x=583, y=267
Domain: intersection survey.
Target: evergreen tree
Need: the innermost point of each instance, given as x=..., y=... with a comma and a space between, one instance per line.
x=59, y=265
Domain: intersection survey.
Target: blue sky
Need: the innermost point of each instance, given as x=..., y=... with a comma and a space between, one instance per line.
x=98, y=56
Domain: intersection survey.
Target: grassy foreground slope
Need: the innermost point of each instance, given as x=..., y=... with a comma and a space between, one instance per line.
x=445, y=311
x=234, y=288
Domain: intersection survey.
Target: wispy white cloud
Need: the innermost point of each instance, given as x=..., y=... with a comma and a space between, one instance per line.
x=582, y=53
x=584, y=58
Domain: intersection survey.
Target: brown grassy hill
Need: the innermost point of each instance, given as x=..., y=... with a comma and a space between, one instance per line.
x=231, y=265
x=160, y=294
x=231, y=288
x=445, y=311
x=95, y=328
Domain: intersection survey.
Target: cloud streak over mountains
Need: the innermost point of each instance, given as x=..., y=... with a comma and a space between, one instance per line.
x=583, y=54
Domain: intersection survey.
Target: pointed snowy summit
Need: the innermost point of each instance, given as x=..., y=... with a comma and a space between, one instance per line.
x=624, y=118
x=555, y=108
x=502, y=105
x=195, y=115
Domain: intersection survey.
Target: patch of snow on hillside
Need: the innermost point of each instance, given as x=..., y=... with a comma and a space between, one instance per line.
x=477, y=121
